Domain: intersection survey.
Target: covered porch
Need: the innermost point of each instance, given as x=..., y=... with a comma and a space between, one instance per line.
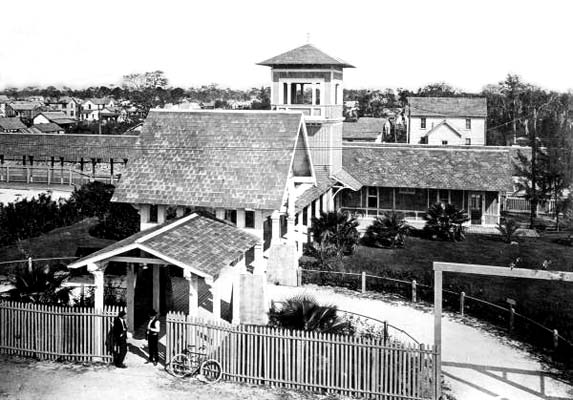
x=196, y=265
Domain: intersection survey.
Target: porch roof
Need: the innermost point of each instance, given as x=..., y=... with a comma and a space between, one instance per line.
x=201, y=245
x=429, y=167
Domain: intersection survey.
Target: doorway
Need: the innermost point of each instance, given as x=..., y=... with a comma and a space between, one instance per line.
x=476, y=208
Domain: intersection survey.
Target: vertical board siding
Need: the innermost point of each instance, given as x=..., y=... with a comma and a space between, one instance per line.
x=324, y=363
x=54, y=332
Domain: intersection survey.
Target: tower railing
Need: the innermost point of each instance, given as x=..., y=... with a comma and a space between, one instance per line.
x=313, y=111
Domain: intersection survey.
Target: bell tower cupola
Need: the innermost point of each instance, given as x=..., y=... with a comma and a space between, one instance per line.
x=310, y=81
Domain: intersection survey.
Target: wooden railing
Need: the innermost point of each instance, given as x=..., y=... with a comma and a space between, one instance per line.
x=363, y=281
x=313, y=111
x=51, y=176
x=347, y=365
x=522, y=205
x=56, y=333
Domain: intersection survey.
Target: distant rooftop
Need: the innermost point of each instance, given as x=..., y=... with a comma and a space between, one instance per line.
x=448, y=106
x=305, y=55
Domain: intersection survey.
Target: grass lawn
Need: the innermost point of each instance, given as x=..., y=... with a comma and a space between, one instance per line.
x=546, y=302
x=61, y=242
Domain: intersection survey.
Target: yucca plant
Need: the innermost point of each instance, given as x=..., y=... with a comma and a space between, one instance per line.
x=338, y=229
x=390, y=230
x=445, y=221
x=507, y=229
x=42, y=286
x=304, y=313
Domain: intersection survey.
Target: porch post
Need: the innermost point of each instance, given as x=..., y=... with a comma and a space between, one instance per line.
x=193, y=293
x=276, y=227
x=215, y=291
x=483, y=204
x=240, y=217
x=236, y=300
x=179, y=211
x=291, y=233
x=97, y=271
x=130, y=300
x=220, y=213
x=156, y=289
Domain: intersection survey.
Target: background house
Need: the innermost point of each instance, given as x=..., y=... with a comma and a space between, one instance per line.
x=366, y=129
x=447, y=120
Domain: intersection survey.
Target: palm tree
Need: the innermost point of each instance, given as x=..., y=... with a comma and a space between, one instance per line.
x=390, y=230
x=305, y=314
x=445, y=221
x=339, y=229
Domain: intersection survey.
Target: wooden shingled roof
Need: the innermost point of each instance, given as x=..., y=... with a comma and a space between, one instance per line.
x=429, y=167
x=71, y=147
x=203, y=245
x=448, y=106
x=212, y=159
x=305, y=55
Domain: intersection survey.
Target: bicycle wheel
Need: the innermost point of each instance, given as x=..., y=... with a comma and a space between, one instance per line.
x=211, y=370
x=179, y=365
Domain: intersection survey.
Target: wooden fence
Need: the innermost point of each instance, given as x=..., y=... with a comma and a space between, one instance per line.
x=50, y=176
x=55, y=333
x=325, y=363
x=522, y=205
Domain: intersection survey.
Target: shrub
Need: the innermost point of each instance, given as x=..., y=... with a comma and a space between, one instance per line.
x=338, y=229
x=444, y=221
x=508, y=228
x=390, y=230
x=305, y=314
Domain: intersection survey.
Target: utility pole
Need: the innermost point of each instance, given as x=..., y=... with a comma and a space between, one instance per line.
x=534, y=198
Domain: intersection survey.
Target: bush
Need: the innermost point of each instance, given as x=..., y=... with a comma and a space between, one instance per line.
x=445, y=221
x=336, y=229
x=508, y=228
x=389, y=231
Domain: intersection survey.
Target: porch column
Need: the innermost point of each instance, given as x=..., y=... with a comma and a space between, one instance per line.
x=313, y=91
x=483, y=204
x=193, y=293
x=259, y=224
x=156, y=288
x=276, y=227
x=240, y=217
x=220, y=213
x=97, y=271
x=325, y=202
x=300, y=235
x=236, y=300
x=291, y=234
x=329, y=200
x=259, y=262
x=215, y=291
x=130, y=300
x=317, y=208
x=289, y=93
x=161, y=214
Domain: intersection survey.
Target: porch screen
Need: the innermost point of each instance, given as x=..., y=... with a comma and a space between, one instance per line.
x=411, y=200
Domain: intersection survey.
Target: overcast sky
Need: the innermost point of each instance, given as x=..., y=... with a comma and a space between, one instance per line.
x=392, y=43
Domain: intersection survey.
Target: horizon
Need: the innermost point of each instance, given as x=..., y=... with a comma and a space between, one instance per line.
x=406, y=45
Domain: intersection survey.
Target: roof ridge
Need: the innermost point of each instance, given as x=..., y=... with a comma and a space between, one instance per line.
x=166, y=228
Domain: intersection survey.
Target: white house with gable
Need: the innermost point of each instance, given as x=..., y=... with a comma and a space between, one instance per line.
x=447, y=120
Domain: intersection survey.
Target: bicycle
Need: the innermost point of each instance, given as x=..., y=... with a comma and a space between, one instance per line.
x=191, y=362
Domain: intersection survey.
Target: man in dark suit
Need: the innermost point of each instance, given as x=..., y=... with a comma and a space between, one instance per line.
x=120, y=337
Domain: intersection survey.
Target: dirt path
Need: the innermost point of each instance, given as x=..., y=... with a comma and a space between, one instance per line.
x=25, y=379
x=477, y=364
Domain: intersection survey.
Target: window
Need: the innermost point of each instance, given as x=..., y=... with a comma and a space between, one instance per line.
x=249, y=219
x=468, y=123
x=89, y=106
x=444, y=142
x=153, y=213
x=231, y=216
x=72, y=113
x=423, y=123
x=372, y=197
x=285, y=93
x=304, y=215
x=468, y=141
x=424, y=140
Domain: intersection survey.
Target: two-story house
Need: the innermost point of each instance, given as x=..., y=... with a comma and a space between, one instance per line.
x=92, y=108
x=447, y=120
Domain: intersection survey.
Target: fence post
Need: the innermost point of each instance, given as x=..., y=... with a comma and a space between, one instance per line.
x=385, y=332
x=27, y=174
x=299, y=277
x=511, y=317
x=462, y=302
x=363, y=282
x=555, y=339
x=30, y=265
x=414, y=294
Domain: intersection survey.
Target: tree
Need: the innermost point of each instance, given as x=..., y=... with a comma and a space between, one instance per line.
x=390, y=230
x=438, y=89
x=338, y=229
x=303, y=313
x=445, y=221
x=146, y=80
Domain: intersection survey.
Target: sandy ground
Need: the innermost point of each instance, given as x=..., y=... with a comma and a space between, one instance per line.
x=16, y=194
x=477, y=364
x=25, y=379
